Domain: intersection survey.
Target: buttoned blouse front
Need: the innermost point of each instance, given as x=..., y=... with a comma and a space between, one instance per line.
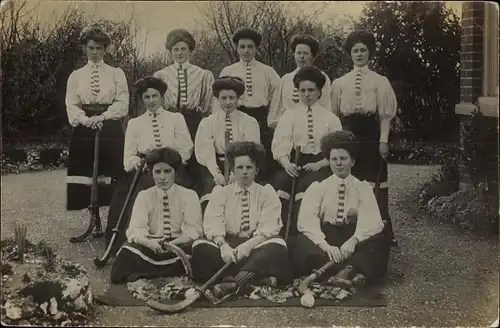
x=113, y=89
x=223, y=213
x=139, y=137
x=283, y=97
x=147, y=214
x=210, y=137
x=291, y=130
x=320, y=205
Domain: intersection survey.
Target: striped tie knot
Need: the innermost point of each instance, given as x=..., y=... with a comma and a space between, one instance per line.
x=167, y=229
x=310, y=128
x=245, y=211
x=94, y=80
x=248, y=80
x=357, y=89
x=182, y=86
x=156, y=130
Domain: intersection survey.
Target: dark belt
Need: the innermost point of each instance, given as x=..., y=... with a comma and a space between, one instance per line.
x=95, y=109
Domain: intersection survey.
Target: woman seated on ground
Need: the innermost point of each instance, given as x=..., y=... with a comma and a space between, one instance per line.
x=339, y=220
x=241, y=224
x=303, y=126
x=166, y=212
x=156, y=128
x=210, y=143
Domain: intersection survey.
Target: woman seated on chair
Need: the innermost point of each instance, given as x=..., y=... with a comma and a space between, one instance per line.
x=210, y=143
x=166, y=212
x=241, y=224
x=339, y=220
x=156, y=128
x=303, y=126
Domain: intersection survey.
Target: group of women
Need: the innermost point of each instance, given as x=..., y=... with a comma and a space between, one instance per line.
x=216, y=157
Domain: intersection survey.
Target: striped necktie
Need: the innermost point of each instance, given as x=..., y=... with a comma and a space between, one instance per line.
x=181, y=73
x=229, y=127
x=295, y=95
x=94, y=82
x=340, y=212
x=249, y=80
x=167, y=229
x=310, y=129
x=156, y=130
x=357, y=90
x=245, y=211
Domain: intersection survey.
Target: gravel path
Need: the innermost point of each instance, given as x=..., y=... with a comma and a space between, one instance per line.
x=440, y=276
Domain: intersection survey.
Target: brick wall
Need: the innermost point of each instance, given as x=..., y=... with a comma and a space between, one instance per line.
x=471, y=56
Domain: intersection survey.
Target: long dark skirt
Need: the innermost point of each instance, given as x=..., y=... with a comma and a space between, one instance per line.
x=81, y=164
x=370, y=257
x=266, y=137
x=282, y=183
x=135, y=261
x=206, y=181
x=118, y=201
x=269, y=259
x=368, y=160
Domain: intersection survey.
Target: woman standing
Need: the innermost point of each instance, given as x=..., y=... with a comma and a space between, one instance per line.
x=210, y=143
x=304, y=126
x=305, y=48
x=96, y=99
x=156, y=128
x=366, y=104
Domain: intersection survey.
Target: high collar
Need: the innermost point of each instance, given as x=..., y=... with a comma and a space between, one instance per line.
x=251, y=63
x=159, y=111
x=185, y=65
x=363, y=69
x=338, y=180
x=223, y=114
x=170, y=191
x=314, y=107
x=99, y=63
x=237, y=189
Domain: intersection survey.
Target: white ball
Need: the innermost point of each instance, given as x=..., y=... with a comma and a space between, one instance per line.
x=190, y=292
x=307, y=300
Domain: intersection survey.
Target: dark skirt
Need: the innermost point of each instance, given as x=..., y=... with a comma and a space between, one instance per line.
x=135, y=261
x=368, y=160
x=270, y=259
x=266, y=137
x=119, y=196
x=206, y=181
x=282, y=183
x=81, y=163
x=370, y=257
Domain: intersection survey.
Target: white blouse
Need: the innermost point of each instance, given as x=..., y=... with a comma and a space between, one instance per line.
x=113, y=89
x=377, y=96
x=283, y=97
x=139, y=137
x=292, y=130
x=320, y=204
x=210, y=137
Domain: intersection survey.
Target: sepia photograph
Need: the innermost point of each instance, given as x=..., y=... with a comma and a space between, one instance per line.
x=249, y=163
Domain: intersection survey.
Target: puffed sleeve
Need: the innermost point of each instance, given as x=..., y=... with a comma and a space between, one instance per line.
x=119, y=107
x=192, y=226
x=369, y=221
x=76, y=115
x=130, y=149
x=204, y=148
x=207, y=96
x=274, y=81
x=326, y=97
x=214, y=222
x=282, y=142
x=386, y=106
x=309, y=221
x=276, y=107
x=251, y=130
x=182, y=138
x=270, y=218
x=138, y=227
x=335, y=123
x=336, y=94
x=226, y=71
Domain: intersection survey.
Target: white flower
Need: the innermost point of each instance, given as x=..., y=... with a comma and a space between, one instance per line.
x=53, y=306
x=43, y=306
x=73, y=289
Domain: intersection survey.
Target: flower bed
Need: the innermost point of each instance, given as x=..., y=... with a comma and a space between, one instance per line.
x=20, y=160
x=43, y=290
